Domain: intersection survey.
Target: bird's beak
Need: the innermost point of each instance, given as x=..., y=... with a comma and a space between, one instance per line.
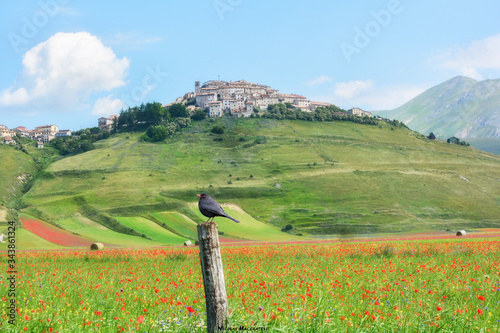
x=199, y=195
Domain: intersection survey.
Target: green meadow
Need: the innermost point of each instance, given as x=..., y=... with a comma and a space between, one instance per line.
x=323, y=178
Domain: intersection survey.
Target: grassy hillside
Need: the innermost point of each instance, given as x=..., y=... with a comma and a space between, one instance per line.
x=16, y=168
x=320, y=177
x=491, y=145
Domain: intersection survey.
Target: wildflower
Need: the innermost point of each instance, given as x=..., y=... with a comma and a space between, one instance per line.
x=481, y=298
x=140, y=319
x=480, y=311
x=439, y=308
x=98, y=313
x=190, y=309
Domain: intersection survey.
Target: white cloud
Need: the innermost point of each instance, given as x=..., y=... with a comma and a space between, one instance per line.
x=370, y=96
x=348, y=90
x=319, y=80
x=471, y=59
x=107, y=106
x=64, y=70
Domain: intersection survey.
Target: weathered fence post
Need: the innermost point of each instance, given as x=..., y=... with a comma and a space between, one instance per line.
x=213, y=277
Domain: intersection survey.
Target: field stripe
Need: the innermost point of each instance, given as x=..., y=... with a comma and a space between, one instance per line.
x=52, y=233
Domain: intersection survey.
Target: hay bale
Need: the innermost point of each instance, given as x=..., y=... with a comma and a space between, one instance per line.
x=97, y=246
x=461, y=233
x=188, y=243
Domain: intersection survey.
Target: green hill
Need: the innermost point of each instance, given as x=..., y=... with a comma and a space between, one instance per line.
x=322, y=178
x=19, y=164
x=17, y=168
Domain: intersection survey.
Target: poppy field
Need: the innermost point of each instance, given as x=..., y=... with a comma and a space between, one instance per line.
x=444, y=285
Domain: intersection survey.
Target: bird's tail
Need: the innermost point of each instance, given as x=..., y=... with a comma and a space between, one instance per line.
x=235, y=220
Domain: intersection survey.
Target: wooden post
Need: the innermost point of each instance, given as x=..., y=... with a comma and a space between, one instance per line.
x=213, y=277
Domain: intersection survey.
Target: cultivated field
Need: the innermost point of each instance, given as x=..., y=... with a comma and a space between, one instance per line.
x=322, y=178
x=447, y=285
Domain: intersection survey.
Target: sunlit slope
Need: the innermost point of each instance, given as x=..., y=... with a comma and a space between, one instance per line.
x=26, y=240
x=319, y=177
x=16, y=168
x=88, y=228
x=151, y=229
x=179, y=222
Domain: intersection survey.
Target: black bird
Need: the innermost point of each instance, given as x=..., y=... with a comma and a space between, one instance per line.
x=210, y=208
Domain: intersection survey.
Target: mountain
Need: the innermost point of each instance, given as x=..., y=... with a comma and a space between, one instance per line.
x=460, y=107
x=320, y=177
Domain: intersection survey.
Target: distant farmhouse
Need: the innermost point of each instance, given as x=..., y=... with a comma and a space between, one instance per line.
x=6, y=132
x=63, y=133
x=45, y=133
x=106, y=124
x=359, y=112
x=8, y=140
x=241, y=98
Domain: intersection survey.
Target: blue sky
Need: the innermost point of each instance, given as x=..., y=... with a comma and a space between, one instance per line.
x=69, y=62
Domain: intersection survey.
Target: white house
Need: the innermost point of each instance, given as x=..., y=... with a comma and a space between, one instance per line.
x=215, y=109
x=106, y=124
x=203, y=99
x=9, y=140
x=359, y=112
x=62, y=133
x=5, y=131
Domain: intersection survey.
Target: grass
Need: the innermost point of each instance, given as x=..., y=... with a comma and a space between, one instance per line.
x=16, y=170
x=391, y=286
x=180, y=222
x=28, y=240
x=151, y=229
x=88, y=228
x=319, y=177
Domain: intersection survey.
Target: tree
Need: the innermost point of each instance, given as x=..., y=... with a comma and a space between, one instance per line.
x=218, y=129
x=95, y=130
x=178, y=110
x=154, y=113
x=157, y=133
x=198, y=115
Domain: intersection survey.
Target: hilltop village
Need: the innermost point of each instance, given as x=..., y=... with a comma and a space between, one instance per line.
x=242, y=98
x=216, y=98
